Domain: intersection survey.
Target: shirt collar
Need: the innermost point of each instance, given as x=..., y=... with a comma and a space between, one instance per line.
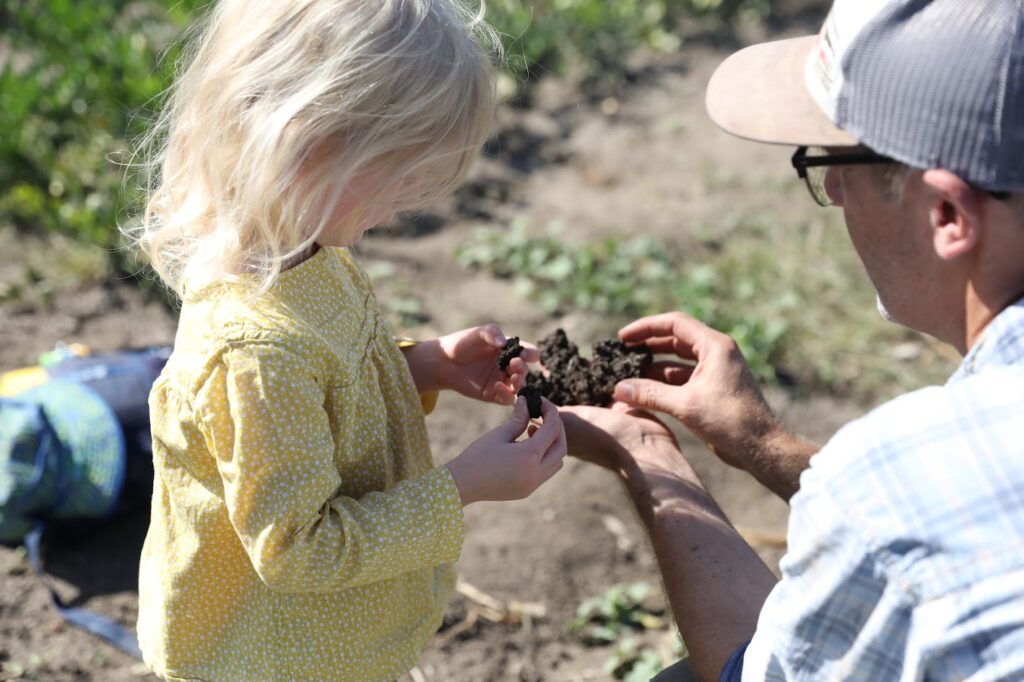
x=1001, y=344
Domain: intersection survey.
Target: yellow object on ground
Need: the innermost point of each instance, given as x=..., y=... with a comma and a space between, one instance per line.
x=18, y=380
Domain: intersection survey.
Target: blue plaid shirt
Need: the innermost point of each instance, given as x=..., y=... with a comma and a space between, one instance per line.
x=906, y=555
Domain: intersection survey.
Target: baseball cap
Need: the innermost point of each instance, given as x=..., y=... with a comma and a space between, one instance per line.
x=930, y=83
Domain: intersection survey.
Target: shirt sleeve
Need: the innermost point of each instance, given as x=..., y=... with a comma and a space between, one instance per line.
x=836, y=613
x=733, y=670
x=427, y=400
x=261, y=410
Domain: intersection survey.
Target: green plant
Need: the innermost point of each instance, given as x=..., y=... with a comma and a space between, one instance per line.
x=605, y=618
x=626, y=278
x=632, y=663
x=403, y=309
x=80, y=79
x=610, y=618
x=590, y=37
x=76, y=79
x=612, y=276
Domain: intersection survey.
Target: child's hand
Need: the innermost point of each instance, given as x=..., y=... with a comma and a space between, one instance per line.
x=496, y=467
x=469, y=364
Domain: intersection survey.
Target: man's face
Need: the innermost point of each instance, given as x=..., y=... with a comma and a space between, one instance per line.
x=892, y=238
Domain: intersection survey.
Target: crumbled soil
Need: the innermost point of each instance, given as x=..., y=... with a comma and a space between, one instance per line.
x=511, y=349
x=533, y=397
x=570, y=379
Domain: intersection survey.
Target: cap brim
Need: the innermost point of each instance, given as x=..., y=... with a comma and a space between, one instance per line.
x=759, y=93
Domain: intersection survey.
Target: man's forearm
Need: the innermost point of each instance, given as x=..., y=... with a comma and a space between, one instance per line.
x=716, y=583
x=779, y=461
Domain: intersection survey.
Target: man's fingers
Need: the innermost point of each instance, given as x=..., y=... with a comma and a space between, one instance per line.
x=679, y=325
x=649, y=395
x=674, y=373
x=660, y=345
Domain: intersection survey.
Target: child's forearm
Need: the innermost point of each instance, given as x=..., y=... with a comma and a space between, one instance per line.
x=424, y=360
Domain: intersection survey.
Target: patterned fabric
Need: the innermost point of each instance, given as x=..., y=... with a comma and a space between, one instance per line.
x=299, y=529
x=906, y=556
x=62, y=456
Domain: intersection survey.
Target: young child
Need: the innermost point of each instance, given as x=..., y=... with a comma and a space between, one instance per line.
x=299, y=529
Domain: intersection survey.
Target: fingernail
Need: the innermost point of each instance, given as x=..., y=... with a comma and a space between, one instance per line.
x=625, y=392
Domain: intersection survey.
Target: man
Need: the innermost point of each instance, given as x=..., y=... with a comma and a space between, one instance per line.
x=906, y=537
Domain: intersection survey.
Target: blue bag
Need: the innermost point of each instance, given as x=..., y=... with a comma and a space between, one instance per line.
x=66, y=448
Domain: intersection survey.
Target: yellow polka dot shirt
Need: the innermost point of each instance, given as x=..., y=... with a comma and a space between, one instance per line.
x=299, y=529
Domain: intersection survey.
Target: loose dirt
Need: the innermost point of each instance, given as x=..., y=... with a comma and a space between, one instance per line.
x=567, y=378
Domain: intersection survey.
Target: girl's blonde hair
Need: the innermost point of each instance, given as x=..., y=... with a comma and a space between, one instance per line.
x=281, y=104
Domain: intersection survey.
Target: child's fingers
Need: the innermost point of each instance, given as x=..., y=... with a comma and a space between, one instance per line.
x=557, y=451
x=551, y=466
x=501, y=393
x=492, y=335
x=530, y=352
x=517, y=374
x=549, y=430
x=516, y=424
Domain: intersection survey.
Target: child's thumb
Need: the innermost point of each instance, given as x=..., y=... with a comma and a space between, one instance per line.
x=516, y=423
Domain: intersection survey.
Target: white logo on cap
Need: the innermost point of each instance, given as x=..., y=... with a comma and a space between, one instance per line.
x=824, y=71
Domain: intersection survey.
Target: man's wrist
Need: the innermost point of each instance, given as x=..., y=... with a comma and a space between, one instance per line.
x=779, y=461
x=654, y=473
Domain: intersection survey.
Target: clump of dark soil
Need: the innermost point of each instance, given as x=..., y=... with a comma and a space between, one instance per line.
x=533, y=396
x=574, y=380
x=511, y=349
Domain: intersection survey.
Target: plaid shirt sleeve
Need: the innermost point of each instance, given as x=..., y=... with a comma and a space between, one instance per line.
x=906, y=539
x=906, y=554
x=835, y=612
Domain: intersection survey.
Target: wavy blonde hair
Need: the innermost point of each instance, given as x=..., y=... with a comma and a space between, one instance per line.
x=281, y=104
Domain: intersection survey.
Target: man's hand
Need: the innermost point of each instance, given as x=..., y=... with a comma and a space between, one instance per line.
x=613, y=437
x=715, y=396
x=467, y=362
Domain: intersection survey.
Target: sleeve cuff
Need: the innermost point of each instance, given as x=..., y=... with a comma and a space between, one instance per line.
x=733, y=670
x=451, y=521
x=427, y=400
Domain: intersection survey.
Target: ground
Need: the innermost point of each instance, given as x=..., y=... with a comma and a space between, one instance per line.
x=646, y=160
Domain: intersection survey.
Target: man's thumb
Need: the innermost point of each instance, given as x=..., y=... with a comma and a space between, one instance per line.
x=646, y=394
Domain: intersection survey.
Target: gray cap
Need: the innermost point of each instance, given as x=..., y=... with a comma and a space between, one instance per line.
x=934, y=84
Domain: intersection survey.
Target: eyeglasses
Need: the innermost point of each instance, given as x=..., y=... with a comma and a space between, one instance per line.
x=813, y=167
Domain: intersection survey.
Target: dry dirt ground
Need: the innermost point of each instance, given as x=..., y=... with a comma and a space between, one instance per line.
x=648, y=160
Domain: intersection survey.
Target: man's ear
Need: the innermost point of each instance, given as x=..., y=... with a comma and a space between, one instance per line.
x=954, y=213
